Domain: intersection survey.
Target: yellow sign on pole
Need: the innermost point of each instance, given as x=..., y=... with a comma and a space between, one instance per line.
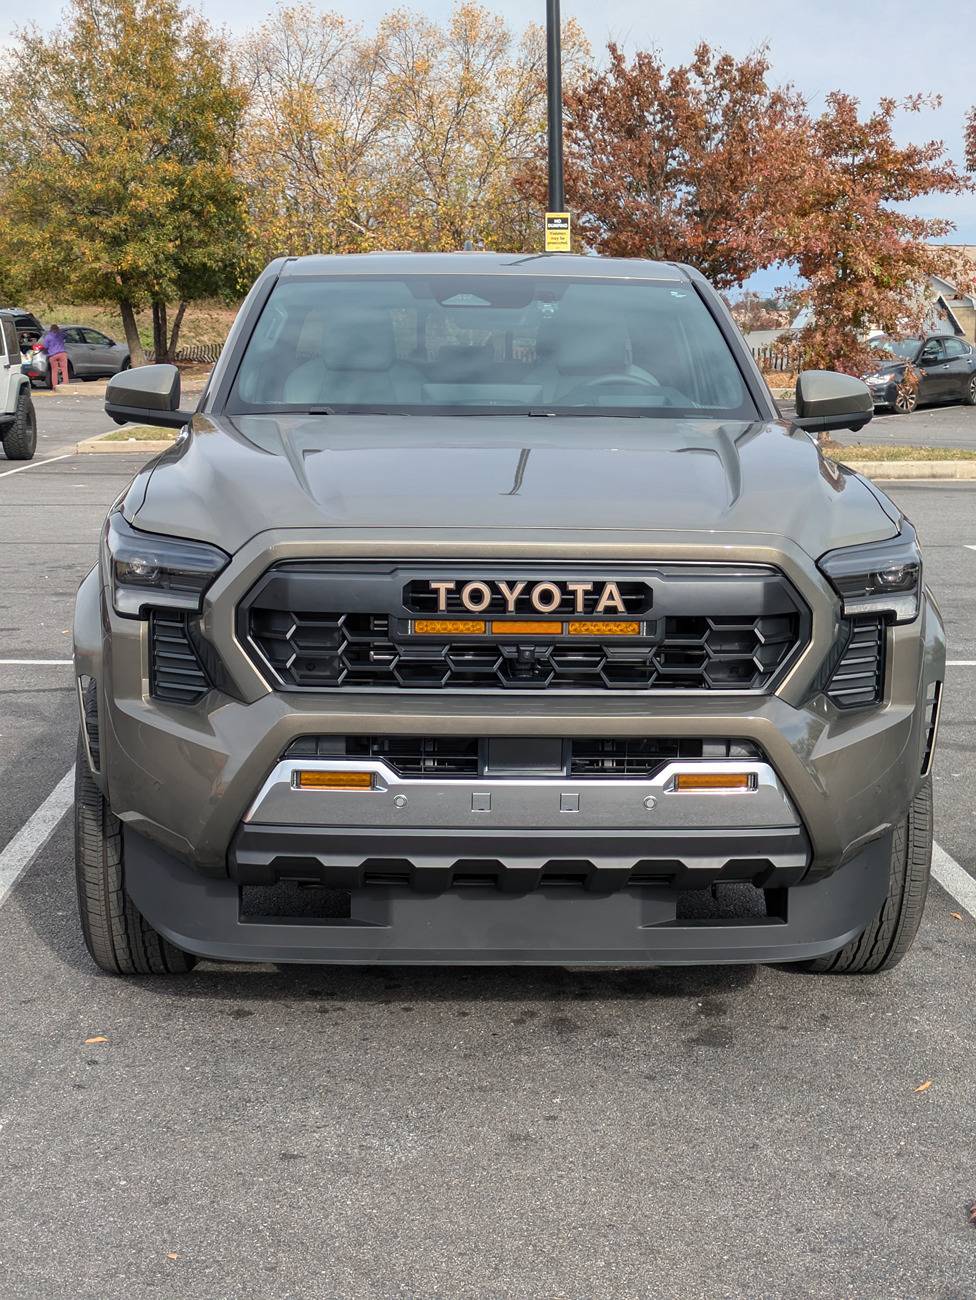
x=558, y=232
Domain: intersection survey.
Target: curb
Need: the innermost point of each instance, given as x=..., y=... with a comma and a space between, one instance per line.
x=912, y=469
x=127, y=446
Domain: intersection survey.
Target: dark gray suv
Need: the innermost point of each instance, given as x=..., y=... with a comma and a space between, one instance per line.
x=486, y=610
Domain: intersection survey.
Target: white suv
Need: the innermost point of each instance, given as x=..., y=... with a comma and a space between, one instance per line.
x=18, y=424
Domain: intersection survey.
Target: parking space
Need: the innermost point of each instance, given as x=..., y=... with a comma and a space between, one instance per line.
x=307, y=1132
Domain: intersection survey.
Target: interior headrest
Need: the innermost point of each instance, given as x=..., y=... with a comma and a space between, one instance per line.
x=359, y=339
x=590, y=345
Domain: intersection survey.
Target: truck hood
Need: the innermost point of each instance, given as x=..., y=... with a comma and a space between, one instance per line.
x=230, y=479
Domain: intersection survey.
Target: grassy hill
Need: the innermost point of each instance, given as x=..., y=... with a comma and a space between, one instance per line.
x=204, y=322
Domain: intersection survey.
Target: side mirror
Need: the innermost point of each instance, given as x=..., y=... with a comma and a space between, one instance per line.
x=826, y=399
x=146, y=395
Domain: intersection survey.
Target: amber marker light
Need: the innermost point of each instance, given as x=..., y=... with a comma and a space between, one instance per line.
x=604, y=629
x=449, y=626
x=713, y=781
x=526, y=627
x=312, y=780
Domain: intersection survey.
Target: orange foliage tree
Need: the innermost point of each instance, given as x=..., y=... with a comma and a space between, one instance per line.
x=863, y=255
x=691, y=164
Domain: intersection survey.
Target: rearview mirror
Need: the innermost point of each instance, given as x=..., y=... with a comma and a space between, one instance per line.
x=146, y=395
x=826, y=399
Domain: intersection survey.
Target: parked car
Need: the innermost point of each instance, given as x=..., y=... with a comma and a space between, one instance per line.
x=91, y=355
x=915, y=371
x=378, y=666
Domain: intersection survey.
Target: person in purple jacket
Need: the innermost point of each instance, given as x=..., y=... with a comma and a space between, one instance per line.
x=57, y=355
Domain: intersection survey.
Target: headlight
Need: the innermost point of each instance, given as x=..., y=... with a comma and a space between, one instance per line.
x=162, y=572
x=879, y=578
x=878, y=379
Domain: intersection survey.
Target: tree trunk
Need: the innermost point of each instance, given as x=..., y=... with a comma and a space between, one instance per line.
x=136, y=355
x=160, y=332
x=175, y=334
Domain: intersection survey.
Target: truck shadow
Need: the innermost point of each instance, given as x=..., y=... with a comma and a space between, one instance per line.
x=437, y=984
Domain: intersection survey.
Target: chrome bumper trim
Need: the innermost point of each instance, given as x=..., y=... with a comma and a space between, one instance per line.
x=530, y=803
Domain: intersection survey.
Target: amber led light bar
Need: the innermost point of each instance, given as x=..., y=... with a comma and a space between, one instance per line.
x=519, y=627
x=705, y=781
x=311, y=779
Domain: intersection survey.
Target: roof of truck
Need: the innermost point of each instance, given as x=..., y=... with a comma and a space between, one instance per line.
x=480, y=263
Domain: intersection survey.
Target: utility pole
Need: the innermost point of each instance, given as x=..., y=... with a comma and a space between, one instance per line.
x=554, y=98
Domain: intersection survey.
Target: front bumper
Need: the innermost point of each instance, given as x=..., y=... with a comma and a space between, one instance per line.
x=551, y=925
x=884, y=393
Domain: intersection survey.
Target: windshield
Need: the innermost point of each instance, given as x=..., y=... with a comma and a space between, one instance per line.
x=904, y=349
x=450, y=344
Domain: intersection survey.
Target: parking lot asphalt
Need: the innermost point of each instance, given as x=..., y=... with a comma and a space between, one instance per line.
x=299, y=1133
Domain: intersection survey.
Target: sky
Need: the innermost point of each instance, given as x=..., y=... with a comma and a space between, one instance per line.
x=864, y=47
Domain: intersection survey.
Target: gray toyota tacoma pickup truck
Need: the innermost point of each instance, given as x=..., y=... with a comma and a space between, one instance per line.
x=487, y=610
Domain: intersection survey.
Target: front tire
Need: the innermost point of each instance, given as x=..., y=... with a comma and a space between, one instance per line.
x=119, y=938
x=20, y=440
x=888, y=938
x=969, y=395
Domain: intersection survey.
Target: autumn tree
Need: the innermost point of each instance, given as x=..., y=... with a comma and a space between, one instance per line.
x=469, y=107
x=865, y=256
x=122, y=188
x=314, y=149
x=409, y=137
x=692, y=164
x=970, y=140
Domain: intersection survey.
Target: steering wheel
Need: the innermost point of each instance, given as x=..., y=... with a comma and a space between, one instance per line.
x=640, y=381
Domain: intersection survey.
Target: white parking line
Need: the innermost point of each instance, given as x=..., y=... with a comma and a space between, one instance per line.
x=35, y=464
x=954, y=879
x=34, y=834
x=961, y=663
x=31, y=662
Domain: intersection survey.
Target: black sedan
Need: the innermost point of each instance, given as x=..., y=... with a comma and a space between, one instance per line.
x=911, y=372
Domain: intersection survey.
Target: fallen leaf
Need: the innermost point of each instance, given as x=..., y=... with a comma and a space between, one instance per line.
x=99, y=1038
x=972, y=1214
x=956, y=916
x=172, y=1256
x=924, y=1087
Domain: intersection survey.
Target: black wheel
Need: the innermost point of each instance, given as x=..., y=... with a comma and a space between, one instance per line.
x=969, y=393
x=889, y=936
x=126, y=364
x=71, y=372
x=20, y=439
x=117, y=935
x=906, y=399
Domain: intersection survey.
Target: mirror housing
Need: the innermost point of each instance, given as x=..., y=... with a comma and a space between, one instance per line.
x=826, y=399
x=146, y=395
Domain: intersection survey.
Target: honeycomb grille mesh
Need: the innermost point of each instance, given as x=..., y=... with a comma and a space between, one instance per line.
x=309, y=651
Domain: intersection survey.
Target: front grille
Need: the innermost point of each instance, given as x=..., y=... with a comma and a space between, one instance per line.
x=175, y=671
x=440, y=757
x=858, y=679
x=692, y=628
x=706, y=653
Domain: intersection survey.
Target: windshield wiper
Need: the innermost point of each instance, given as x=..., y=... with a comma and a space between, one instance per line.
x=321, y=410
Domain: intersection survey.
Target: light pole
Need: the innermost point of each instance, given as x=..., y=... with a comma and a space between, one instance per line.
x=554, y=102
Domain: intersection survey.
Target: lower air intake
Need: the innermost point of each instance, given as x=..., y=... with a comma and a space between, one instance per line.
x=858, y=679
x=175, y=671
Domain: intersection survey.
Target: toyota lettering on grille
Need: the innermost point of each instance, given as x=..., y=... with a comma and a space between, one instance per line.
x=542, y=597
